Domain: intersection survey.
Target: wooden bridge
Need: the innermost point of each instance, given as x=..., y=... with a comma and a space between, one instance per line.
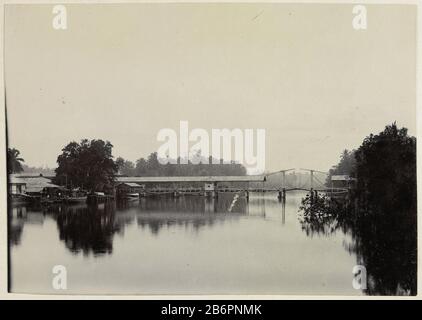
x=214, y=185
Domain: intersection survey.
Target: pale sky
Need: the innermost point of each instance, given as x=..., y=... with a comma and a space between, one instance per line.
x=123, y=72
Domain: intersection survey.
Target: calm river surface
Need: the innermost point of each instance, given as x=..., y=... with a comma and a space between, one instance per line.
x=189, y=245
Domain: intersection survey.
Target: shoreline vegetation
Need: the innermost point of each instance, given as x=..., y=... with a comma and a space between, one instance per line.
x=383, y=168
x=380, y=213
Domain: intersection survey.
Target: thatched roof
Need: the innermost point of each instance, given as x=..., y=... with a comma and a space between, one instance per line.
x=33, y=183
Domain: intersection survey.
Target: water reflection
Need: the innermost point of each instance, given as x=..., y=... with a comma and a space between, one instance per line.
x=16, y=224
x=91, y=228
x=273, y=238
x=189, y=211
x=88, y=229
x=383, y=240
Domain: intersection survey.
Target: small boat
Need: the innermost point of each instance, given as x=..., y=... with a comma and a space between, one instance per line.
x=50, y=200
x=77, y=195
x=98, y=197
x=20, y=198
x=76, y=199
x=130, y=196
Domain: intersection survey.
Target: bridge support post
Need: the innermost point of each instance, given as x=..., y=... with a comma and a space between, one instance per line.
x=210, y=205
x=214, y=192
x=348, y=200
x=312, y=179
x=282, y=195
x=247, y=195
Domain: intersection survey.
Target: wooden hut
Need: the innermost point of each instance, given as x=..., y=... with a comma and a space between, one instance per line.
x=128, y=190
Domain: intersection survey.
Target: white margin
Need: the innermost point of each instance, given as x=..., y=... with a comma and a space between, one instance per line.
x=3, y=177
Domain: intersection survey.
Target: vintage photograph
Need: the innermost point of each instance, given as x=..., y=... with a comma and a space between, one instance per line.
x=211, y=149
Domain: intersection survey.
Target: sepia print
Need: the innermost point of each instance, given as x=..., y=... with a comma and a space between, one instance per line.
x=211, y=148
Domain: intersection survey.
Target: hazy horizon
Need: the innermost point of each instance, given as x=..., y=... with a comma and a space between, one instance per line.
x=301, y=72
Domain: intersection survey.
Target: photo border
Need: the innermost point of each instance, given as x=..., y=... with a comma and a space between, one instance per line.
x=4, y=261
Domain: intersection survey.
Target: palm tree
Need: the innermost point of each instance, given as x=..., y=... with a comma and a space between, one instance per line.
x=14, y=161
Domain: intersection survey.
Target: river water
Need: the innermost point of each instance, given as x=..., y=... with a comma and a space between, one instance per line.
x=186, y=245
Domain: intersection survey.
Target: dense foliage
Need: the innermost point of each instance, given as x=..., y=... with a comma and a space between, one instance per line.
x=380, y=212
x=386, y=169
x=346, y=166
x=14, y=160
x=88, y=164
x=152, y=167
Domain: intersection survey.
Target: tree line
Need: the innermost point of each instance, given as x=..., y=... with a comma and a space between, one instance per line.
x=381, y=214
x=152, y=167
x=14, y=161
x=89, y=164
x=384, y=167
